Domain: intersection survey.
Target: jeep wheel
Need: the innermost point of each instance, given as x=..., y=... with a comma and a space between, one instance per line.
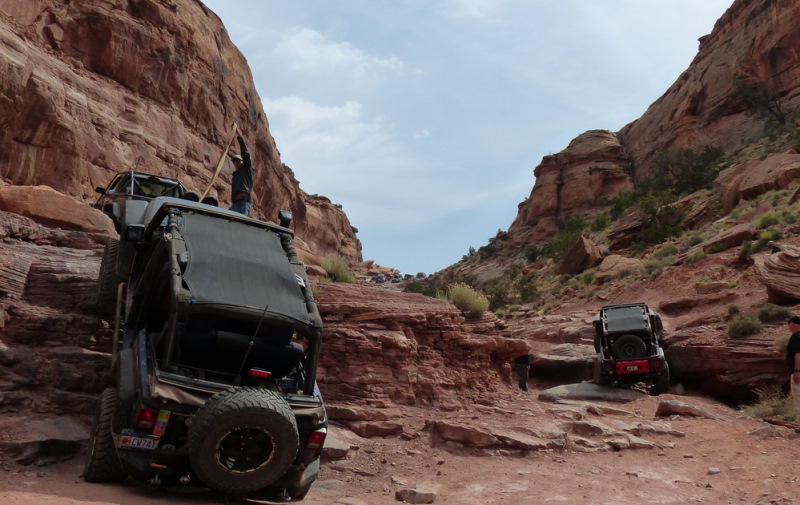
x=108, y=280
x=243, y=440
x=103, y=463
x=599, y=378
x=629, y=347
x=661, y=384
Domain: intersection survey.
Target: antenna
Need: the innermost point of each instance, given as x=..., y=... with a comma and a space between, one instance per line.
x=238, y=378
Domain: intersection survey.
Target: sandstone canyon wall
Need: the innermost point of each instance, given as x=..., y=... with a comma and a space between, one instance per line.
x=90, y=88
x=754, y=42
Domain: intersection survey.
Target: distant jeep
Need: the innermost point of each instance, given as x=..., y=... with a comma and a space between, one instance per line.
x=215, y=364
x=628, y=349
x=124, y=201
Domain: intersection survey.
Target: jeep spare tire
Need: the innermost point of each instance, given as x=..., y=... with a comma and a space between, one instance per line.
x=243, y=440
x=629, y=347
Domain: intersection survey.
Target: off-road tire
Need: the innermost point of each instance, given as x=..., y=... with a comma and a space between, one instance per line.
x=103, y=463
x=108, y=280
x=661, y=384
x=242, y=440
x=599, y=378
x=629, y=347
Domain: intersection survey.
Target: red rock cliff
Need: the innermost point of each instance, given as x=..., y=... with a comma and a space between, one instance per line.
x=754, y=42
x=89, y=88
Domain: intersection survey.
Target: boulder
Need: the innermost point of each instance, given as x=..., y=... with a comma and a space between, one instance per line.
x=614, y=265
x=50, y=208
x=780, y=274
x=584, y=254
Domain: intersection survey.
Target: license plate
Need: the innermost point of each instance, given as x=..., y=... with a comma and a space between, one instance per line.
x=140, y=442
x=632, y=368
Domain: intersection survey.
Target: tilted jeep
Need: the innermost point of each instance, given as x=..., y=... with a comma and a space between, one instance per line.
x=124, y=200
x=627, y=345
x=216, y=368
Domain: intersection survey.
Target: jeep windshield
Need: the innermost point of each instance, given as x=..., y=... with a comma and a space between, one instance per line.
x=144, y=185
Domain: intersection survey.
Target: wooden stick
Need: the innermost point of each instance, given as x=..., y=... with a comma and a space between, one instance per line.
x=221, y=161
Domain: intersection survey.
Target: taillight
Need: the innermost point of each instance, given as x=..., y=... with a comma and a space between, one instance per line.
x=259, y=374
x=146, y=419
x=317, y=439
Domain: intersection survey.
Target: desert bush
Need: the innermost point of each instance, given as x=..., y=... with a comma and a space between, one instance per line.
x=338, y=269
x=764, y=221
x=600, y=222
x=587, y=277
x=470, y=302
x=746, y=250
x=743, y=325
x=666, y=250
x=497, y=294
x=767, y=235
x=684, y=170
x=716, y=248
x=532, y=252
x=770, y=313
x=695, y=256
x=733, y=309
x=772, y=402
x=527, y=288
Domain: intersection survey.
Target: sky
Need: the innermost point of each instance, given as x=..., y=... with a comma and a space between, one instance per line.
x=425, y=119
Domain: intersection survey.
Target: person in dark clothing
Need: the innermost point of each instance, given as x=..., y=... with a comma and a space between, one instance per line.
x=775, y=248
x=242, y=181
x=522, y=365
x=793, y=360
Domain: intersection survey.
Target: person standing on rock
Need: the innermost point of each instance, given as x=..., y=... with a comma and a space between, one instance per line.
x=522, y=365
x=793, y=361
x=242, y=180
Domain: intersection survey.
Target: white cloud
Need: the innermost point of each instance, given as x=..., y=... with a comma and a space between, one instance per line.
x=333, y=149
x=307, y=51
x=421, y=134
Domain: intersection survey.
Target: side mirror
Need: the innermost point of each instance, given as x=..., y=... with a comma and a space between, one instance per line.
x=100, y=190
x=134, y=232
x=284, y=218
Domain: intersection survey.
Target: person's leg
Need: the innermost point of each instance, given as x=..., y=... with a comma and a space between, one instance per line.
x=795, y=389
x=242, y=207
x=522, y=371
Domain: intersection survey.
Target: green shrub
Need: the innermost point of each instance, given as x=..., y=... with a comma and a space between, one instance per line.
x=423, y=289
x=767, y=235
x=736, y=213
x=771, y=313
x=666, y=250
x=772, y=402
x=764, y=221
x=746, y=251
x=743, y=325
x=338, y=269
x=733, y=309
x=716, y=248
x=695, y=256
x=599, y=223
x=532, y=252
x=497, y=295
x=587, y=277
x=528, y=289
x=471, y=303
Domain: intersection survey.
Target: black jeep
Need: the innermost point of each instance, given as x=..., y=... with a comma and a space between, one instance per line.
x=124, y=200
x=628, y=350
x=215, y=371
